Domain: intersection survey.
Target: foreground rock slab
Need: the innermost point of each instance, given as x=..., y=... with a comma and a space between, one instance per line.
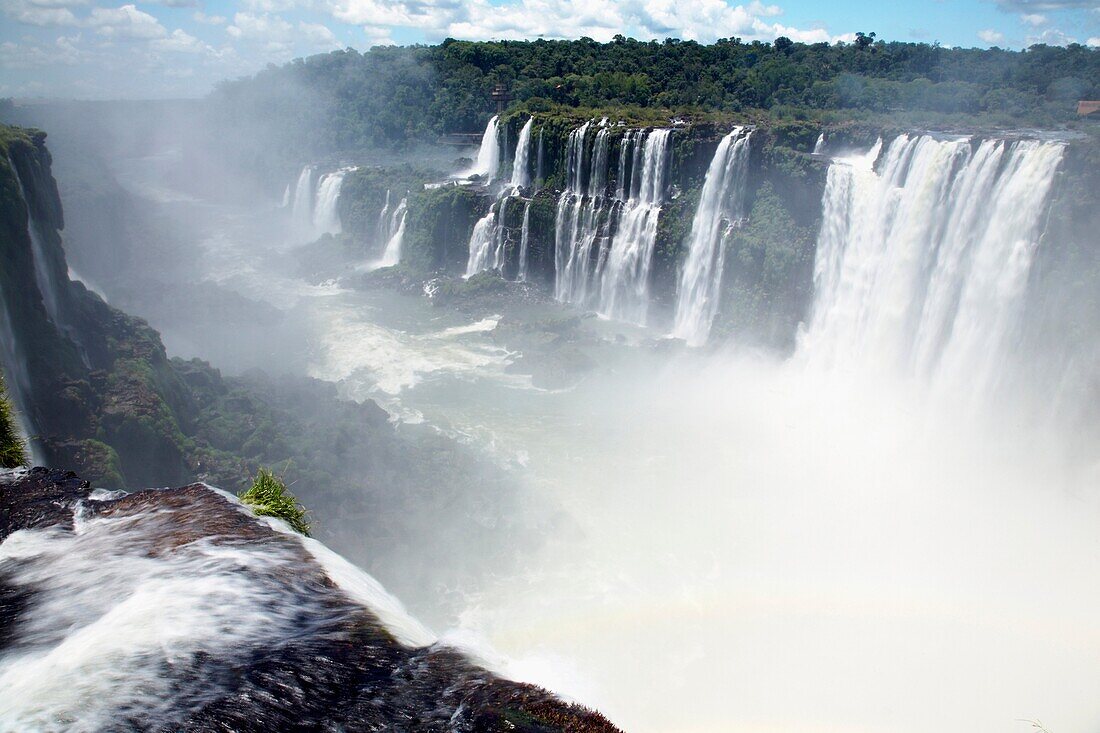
x=176, y=609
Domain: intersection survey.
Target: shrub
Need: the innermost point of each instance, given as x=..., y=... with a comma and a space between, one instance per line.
x=269, y=497
x=12, y=450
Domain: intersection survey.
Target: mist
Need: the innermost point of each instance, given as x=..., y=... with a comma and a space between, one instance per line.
x=706, y=420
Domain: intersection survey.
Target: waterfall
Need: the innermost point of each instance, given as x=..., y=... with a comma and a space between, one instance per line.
x=489, y=238
x=326, y=217
x=286, y=197
x=488, y=155
x=47, y=288
x=721, y=204
x=819, y=144
x=521, y=273
x=581, y=223
x=482, y=244
x=314, y=211
x=301, y=214
x=382, y=229
x=604, y=243
x=923, y=259
x=392, y=254
x=521, y=178
x=624, y=289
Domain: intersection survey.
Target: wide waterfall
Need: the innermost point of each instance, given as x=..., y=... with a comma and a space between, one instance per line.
x=521, y=176
x=488, y=155
x=604, y=243
x=923, y=256
x=720, y=208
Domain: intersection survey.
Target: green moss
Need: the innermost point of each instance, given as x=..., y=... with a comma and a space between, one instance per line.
x=13, y=452
x=269, y=497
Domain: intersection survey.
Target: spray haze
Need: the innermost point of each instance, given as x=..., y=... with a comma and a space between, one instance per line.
x=744, y=386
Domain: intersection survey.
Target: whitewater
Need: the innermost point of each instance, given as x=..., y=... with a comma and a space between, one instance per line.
x=742, y=542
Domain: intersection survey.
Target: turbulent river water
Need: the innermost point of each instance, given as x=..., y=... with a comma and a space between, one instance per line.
x=751, y=544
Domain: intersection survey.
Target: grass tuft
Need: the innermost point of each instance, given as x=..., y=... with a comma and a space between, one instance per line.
x=269, y=497
x=13, y=452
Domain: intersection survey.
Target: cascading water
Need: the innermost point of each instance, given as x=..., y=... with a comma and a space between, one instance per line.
x=720, y=206
x=580, y=219
x=819, y=144
x=624, y=289
x=604, y=244
x=301, y=213
x=392, y=254
x=486, y=250
x=326, y=219
x=314, y=211
x=521, y=177
x=42, y=276
x=922, y=261
x=488, y=155
x=524, y=238
x=286, y=197
x=489, y=238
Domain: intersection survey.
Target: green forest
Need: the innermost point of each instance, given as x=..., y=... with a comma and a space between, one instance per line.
x=402, y=96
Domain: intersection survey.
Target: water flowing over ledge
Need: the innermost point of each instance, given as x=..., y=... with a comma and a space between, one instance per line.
x=176, y=608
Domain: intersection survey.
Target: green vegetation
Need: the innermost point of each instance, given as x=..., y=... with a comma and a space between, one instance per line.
x=12, y=450
x=269, y=497
x=347, y=101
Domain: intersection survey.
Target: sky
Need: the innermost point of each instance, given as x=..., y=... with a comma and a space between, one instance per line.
x=127, y=49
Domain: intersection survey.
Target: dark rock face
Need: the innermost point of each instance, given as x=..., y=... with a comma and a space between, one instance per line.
x=324, y=661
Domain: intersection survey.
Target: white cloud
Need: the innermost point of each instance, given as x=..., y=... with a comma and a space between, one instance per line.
x=125, y=22
x=201, y=17
x=42, y=13
x=63, y=51
x=271, y=6
x=1094, y=42
x=180, y=42
x=702, y=20
x=991, y=36
x=1051, y=37
x=317, y=35
x=1034, y=19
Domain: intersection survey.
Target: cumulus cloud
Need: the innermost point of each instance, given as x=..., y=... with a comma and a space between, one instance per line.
x=278, y=36
x=63, y=51
x=201, y=17
x=991, y=36
x=317, y=35
x=1034, y=19
x=1051, y=37
x=702, y=20
x=180, y=41
x=125, y=22
x=1094, y=42
x=42, y=13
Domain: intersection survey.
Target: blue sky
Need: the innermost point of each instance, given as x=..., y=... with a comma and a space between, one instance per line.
x=103, y=49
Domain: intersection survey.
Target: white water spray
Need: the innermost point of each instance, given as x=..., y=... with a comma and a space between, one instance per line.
x=488, y=154
x=923, y=260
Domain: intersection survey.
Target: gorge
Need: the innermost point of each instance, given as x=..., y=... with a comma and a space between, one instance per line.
x=704, y=418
